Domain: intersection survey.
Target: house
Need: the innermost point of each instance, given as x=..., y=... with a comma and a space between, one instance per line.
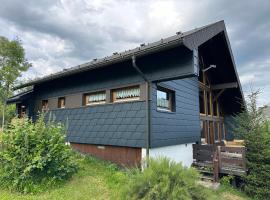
x=155, y=100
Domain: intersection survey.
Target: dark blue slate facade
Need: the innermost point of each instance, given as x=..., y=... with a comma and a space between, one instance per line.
x=120, y=124
x=125, y=124
x=183, y=125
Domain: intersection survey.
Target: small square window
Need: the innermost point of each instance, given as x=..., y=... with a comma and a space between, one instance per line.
x=94, y=98
x=61, y=102
x=165, y=99
x=126, y=94
x=44, y=105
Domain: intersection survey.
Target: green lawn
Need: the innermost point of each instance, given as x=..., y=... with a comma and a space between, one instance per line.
x=100, y=180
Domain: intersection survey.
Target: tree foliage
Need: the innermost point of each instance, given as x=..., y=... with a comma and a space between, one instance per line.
x=251, y=117
x=252, y=126
x=12, y=64
x=12, y=61
x=34, y=154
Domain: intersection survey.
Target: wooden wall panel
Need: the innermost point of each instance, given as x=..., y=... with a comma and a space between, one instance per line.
x=123, y=156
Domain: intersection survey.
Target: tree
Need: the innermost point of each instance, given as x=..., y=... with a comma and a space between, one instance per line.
x=251, y=117
x=12, y=64
x=252, y=126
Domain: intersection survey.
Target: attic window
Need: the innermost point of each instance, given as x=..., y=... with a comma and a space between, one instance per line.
x=44, y=104
x=126, y=94
x=61, y=102
x=165, y=99
x=95, y=98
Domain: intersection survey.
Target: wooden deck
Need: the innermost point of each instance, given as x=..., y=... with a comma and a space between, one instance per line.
x=218, y=160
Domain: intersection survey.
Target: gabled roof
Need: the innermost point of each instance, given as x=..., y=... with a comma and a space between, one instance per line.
x=191, y=39
x=20, y=97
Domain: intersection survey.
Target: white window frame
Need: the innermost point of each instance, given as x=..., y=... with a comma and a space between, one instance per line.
x=170, y=100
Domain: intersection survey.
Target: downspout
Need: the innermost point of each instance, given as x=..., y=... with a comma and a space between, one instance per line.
x=148, y=105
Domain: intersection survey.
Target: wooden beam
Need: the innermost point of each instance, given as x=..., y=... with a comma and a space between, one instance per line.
x=211, y=118
x=218, y=94
x=225, y=86
x=203, y=86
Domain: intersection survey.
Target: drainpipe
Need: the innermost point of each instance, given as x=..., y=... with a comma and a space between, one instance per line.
x=148, y=104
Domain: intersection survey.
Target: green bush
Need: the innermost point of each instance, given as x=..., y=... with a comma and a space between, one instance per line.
x=226, y=180
x=258, y=162
x=165, y=179
x=34, y=155
x=252, y=126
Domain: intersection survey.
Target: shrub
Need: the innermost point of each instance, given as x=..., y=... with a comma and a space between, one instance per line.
x=226, y=180
x=34, y=155
x=258, y=162
x=165, y=179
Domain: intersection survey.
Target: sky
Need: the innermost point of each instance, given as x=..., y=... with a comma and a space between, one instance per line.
x=58, y=34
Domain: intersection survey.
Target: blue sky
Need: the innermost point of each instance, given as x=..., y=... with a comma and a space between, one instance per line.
x=59, y=34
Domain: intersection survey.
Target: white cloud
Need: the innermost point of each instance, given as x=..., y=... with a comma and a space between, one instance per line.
x=247, y=79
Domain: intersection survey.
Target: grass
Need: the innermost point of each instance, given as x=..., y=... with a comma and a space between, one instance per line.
x=95, y=180
x=101, y=180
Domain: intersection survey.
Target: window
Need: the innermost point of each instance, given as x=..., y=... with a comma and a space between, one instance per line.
x=44, y=104
x=126, y=94
x=94, y=98
x=61, y=102
x=165, y=99
x=21, y=110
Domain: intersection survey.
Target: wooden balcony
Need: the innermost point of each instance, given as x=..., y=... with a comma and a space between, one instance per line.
x=216, y=160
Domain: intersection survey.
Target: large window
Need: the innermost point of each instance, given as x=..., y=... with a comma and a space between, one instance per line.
x=61, y=102
x=165, y=99
x=45, y=105
x=126, y=94
x=94, y=98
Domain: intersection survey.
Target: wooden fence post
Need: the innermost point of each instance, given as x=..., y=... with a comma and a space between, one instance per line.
x=216, y=165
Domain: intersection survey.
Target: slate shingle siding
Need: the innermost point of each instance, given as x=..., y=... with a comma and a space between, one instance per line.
x=183, y=125
x=121, y=124
x=124, y=124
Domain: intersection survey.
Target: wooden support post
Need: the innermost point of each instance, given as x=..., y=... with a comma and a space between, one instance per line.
x=216, y=166
x=212, y=132
x=219, y=123
x=206, y=109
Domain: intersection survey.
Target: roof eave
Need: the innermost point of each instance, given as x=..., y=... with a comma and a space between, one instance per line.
x=105, y=62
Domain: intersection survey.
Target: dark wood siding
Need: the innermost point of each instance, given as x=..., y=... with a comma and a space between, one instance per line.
x=124, y=156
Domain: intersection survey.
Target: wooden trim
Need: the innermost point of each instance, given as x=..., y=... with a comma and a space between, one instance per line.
x=211, y=118
x=225, y=86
